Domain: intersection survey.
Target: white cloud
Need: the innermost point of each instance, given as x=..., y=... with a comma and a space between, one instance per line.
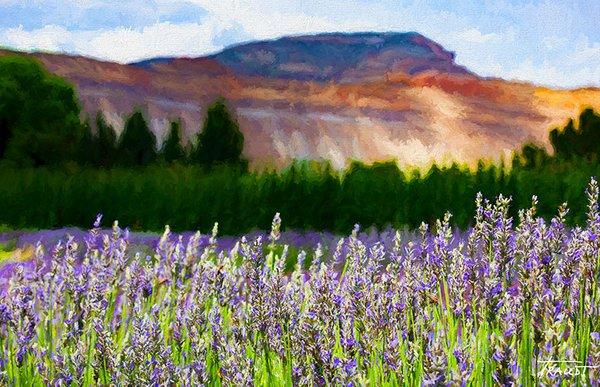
x=256, y=19
x=578, y=66
x=550, y=74
x=120, y=44
x=48, y=38
x=587, y=54
x=473, y=35
x=263, y=19
x=554, y=42
x=161, y=39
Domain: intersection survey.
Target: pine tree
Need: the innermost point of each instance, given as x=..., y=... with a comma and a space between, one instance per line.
x=105, y=143
x=220, y=141
x=137, y=145
x=172, y=150
x=589, y=131
x=87, y=146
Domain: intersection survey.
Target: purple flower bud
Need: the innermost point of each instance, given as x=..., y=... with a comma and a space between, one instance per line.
x=98, y=221
x=147, y=290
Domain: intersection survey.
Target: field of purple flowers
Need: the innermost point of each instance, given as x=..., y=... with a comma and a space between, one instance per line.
x=508, y=302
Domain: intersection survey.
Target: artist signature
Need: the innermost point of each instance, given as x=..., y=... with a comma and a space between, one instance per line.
x=564, y=367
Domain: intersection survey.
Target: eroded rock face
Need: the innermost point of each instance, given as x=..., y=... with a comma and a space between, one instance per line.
x=333, y=96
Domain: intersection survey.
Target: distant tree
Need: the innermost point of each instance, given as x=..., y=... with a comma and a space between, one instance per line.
x=534, y=155
x=10, y=99
x=137, y=145
x=220, y=141
x=589, y=130
x=39, y=114
x=583, y=141
x=172, y=150
x=4, y=136
x=565, y=141
x=87, y=146
x=369, y=193
x=105, y=143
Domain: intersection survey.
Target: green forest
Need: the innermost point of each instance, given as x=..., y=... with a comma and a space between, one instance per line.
x=58, y=170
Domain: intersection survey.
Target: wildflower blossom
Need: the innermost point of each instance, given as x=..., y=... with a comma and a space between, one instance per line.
x=490, y=305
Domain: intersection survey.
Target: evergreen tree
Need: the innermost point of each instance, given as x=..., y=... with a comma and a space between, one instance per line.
x=137, y=145
x=565, y=142
x=172, y=150
x=220, y=141
x=105, y=143
x=10, y=99
x=557, y=144
x=534, y=155
x=589, y=130
x=87, y=146
x=4, y=136
x=584, y=141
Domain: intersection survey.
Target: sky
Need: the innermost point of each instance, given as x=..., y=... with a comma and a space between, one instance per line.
x=554, y=43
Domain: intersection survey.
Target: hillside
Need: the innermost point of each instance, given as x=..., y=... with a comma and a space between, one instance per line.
x=365, y=96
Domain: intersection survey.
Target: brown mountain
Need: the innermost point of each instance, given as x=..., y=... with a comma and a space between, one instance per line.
x=366, y=96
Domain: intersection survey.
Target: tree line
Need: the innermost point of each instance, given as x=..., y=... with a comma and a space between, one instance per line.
x=575, y=141
x=309, y=195
x=40, y=126
x=128, y=178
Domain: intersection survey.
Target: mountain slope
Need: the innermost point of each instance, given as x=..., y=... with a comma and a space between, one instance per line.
x=365, y=96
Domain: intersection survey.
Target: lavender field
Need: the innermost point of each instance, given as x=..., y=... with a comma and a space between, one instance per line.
x=507, y=302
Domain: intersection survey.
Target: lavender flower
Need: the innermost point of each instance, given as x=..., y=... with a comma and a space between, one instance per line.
x=490, y=305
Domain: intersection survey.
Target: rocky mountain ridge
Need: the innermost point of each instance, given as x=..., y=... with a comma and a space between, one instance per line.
x=367, y=96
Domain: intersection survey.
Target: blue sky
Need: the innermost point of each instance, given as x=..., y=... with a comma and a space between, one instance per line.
x=555, y=43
